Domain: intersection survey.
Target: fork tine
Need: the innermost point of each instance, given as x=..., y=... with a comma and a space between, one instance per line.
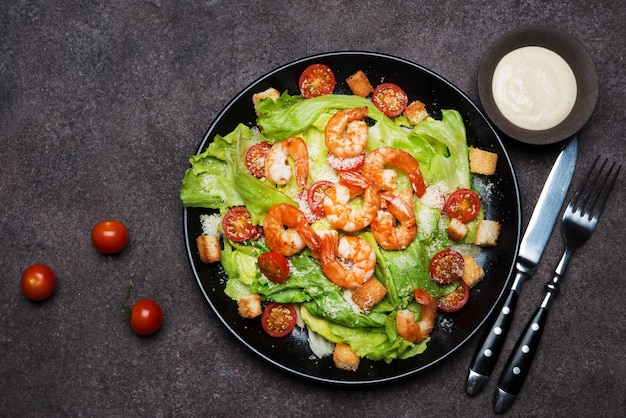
x=584, y=189
x=591, y=198
x=605, y=190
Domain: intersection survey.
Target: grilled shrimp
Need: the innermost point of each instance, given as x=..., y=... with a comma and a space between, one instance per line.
x=348, y=262
x=341, y=214
x=297, y=235
x=395, y=227
x=277, y=167
x=346, y=132
x=411, y=330
x=377, y=160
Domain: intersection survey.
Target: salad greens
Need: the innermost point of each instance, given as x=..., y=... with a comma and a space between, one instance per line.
x=218, y=179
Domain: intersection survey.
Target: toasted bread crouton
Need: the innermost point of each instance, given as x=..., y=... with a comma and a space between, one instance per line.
x=482, y=162
x=209, y=248
x=416, y=112
x=345, y=358
x=457, y=229
x=472, y=272
x=250, y=306
x=487, y=233
x=359, y=84
x=272, y=93
x=367, y=295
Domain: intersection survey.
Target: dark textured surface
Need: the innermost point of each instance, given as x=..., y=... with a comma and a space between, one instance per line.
x=100, y=105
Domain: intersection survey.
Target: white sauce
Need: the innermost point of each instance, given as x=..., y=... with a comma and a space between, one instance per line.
x=534, y=88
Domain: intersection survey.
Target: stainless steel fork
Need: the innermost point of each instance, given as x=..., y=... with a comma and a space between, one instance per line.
x=579, y=221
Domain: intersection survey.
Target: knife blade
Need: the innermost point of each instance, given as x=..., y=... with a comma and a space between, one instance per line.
x=531, y=247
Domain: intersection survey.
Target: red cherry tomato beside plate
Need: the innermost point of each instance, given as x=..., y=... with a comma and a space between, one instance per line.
x=109, y=237
x=37, y=282
x=145, y=317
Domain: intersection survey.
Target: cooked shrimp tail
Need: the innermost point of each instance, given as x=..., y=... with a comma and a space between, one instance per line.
x=395, y=227
x=347, y=262
x=277, y=166
x=287, y=230
x=411, y=330
x=350, y=218
x=346, y=133
x=377, y=160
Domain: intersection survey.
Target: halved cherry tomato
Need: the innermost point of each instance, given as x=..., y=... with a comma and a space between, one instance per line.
x=463, y=204
x=454, y=300
x=255, y=158
x=390, y=99
x=258, y=233
x=109, y=237
x=237, y=224
x=316, y=195
x=37, y=282
x=317, y=80
x=344, y=165
x=274, y=266
x=446, y=266
x=145, y=317
x=278, y=319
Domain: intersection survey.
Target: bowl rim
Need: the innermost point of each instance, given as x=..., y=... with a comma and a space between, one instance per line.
x=572, y=51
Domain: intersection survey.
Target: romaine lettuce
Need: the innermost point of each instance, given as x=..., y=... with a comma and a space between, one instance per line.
x=218, y=179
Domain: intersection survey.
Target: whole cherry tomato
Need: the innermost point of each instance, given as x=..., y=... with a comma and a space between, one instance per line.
x=109, y=237
x=38, y=282
x=145, y=317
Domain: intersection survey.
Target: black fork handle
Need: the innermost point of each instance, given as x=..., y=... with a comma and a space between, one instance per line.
x=520, y=361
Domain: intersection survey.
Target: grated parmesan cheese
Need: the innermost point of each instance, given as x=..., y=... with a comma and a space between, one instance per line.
x=210, y=224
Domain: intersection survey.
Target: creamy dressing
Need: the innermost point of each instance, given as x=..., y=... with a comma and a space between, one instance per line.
x=534, y=88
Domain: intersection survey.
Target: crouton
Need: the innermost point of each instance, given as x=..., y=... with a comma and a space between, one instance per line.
x=345, y=358
x=359, y=84
x=472, y=272
x=250, y=306
x=272, y=93
x=415, y=112
x=487, y=233
x=367, y=295
x=457, y=229
x=209, y=248
x=482, y=162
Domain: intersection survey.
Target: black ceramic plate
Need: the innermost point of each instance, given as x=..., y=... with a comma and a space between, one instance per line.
x=292, y=353
x=572, y=51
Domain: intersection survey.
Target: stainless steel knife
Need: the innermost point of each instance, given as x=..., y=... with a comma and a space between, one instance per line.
x=533, y=243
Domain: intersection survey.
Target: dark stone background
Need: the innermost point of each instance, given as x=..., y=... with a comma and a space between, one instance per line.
x=101, y=102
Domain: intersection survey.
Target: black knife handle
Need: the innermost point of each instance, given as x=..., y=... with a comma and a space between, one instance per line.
x=486, y=355
x=519, y=363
